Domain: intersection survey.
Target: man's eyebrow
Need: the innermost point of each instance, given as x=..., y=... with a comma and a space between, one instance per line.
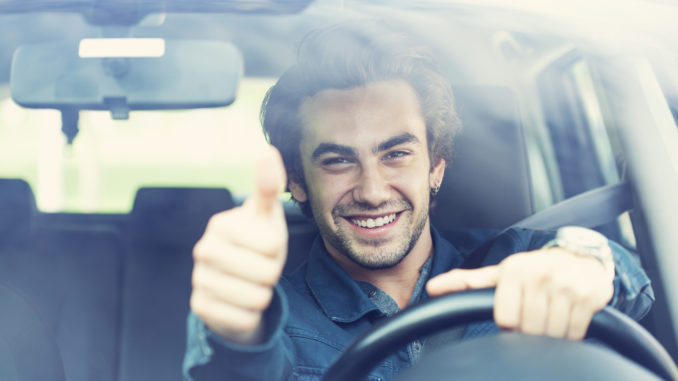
x=394, y=141
x=324, y=148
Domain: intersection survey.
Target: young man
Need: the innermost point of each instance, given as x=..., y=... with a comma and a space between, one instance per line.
x=365, y=123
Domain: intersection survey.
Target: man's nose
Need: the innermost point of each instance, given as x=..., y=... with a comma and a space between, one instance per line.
x=372, y=187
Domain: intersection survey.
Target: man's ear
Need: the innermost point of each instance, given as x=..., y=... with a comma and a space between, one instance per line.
x=437, y=173
x=298, y=191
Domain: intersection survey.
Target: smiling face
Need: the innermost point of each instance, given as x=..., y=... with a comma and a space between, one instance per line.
x=368, y=174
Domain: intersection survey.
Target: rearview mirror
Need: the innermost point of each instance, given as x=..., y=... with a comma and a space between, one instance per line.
x=125, y=74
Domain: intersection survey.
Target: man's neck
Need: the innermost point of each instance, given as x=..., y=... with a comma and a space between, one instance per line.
x=398, y=281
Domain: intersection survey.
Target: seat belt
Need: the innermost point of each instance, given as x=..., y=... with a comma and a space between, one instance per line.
x=589, y=209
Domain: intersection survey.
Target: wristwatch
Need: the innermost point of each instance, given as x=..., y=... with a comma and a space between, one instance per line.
x=583, y=242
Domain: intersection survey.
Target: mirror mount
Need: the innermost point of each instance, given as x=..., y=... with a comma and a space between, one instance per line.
x=69, y=123
x=70, y=116
x=118, y=107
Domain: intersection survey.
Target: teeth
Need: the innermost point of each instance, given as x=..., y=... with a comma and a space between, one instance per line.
x=374, y=223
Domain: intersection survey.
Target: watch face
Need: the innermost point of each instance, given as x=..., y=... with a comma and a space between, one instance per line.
x=581, y=237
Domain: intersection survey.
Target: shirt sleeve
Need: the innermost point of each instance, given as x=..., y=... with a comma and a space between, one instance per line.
x=633, y=292
x=210, y=357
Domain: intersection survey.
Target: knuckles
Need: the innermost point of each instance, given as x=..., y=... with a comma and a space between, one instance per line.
x=200, y=250
x=221, y=288
x=505, y=320
x=245, y=325
x=198, y=305
x=262, y=300
x=269, y=275
x=236, y=321
x=238, y=228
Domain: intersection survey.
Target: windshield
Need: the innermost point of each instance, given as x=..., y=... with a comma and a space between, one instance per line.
x=110, y=159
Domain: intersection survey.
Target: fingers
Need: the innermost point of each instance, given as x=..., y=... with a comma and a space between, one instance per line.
x=559, y=315
x=534, y=311
x=231, y=290
x=225, y=319
x=508, y=301
x=554, y=294
x=240, y=263
x=540, y=293
x=580, y=319
x=264, y=235
x=459, y=280
x=233, y=285
x=240, y=258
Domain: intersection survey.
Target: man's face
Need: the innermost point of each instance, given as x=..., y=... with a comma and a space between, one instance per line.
x=367, y=169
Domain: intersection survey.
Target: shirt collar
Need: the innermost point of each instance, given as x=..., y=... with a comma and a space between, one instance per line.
x=341, y=298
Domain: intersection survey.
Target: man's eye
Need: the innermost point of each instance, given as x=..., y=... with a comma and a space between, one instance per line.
x=396, y=154
x=334, y=161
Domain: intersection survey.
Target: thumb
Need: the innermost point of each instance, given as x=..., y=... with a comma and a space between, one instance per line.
x=269, y=181
x=460, y=280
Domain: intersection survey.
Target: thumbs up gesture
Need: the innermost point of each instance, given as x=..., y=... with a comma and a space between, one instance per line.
x=240, y=257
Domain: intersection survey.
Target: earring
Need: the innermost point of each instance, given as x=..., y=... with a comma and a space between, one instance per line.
x=434, y=191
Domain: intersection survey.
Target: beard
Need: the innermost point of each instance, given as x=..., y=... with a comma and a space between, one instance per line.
x=373, y=254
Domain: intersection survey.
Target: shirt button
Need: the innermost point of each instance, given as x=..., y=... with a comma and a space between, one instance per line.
x=372, y=293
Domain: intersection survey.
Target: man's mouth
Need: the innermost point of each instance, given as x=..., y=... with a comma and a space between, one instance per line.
x=374, y=222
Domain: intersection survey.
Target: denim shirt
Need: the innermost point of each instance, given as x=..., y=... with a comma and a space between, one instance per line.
x=318, y=310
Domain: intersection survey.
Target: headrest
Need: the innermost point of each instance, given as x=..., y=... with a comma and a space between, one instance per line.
x=17, y=206
x=174, y=216
x=487, y=185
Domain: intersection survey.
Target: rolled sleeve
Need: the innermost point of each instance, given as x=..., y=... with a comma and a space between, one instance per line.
x=633, y=292
x=210, y=357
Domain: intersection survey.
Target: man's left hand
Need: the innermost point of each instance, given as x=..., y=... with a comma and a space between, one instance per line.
x=545, y=292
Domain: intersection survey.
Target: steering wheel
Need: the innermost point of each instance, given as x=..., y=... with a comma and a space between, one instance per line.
x=609, y=326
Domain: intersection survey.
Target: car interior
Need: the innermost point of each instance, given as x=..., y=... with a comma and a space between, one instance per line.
x=114, y=289
x=104, y=296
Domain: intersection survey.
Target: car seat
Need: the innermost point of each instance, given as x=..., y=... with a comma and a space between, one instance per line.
x=487, y=185
x=162, y=228
x=56, y=270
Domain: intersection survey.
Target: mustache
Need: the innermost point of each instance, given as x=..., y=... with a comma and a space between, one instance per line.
x=363, y=207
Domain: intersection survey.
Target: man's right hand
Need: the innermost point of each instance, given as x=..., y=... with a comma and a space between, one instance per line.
x=240, y=257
